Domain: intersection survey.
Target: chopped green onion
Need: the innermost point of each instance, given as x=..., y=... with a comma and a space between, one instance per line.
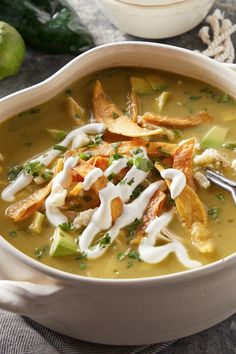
x=143, y=164
x=67, y=226
x=60, y=147
x=13, y=233
x=40, y=252
x=214, y=212
x=105, y=240
x=58, y=135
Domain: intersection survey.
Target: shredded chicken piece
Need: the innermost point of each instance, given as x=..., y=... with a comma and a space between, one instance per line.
x=26, y=207
x=133, y=106
x=106, y=112
x=183, y=158
x=153, y=209
x=211, y=158
x=83, y=218
x=201, y=180
x=201, y=117
x=193, y=216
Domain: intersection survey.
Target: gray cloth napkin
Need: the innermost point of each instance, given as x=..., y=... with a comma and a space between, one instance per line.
x=20, y=335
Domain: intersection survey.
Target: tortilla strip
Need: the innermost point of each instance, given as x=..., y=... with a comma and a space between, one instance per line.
x=26, y=207
x=106, y=112
x=100, y=162
x=153, y=209
x=201, y=117
x=193, y=215
x=156, y=149
x=133, y=106
x=83, y=168
x=183, y=160
x=75, y=110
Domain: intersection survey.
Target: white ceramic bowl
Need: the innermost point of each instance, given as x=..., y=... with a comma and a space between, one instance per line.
x=155, y=18
x=135, y=311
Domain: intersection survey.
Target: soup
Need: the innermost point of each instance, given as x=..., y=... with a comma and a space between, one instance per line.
x=108, y=178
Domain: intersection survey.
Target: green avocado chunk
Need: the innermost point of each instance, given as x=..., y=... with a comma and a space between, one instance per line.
x=214, y=137
x=63, y=244
x=48, y=25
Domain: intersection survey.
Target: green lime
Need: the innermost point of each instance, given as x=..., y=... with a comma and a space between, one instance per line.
x=12, y=50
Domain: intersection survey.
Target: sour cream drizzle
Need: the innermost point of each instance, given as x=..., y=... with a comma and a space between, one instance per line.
x=102, y=218
x=130, y=213
x=58, y=194
x=24, y=179
x=150, y=253
x=178, y=181
x=91, y=177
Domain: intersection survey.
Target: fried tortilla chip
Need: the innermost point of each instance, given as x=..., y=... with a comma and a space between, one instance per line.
x=76, y=112
x=133, y=106
x=153, y=209
x=183, y=159
x=156, y=119
x=193, y=215
x=106, y=112
x=26, y=207
x=154, y=149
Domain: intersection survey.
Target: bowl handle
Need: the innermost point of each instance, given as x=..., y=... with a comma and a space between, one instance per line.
x=26, y=298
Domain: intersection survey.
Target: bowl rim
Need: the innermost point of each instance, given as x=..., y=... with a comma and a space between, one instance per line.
x=167, y=279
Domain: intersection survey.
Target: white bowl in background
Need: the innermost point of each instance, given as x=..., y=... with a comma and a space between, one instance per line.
x=155, y=19
x=125, y=311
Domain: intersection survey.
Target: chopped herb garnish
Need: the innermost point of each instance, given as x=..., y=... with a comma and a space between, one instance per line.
x=214, y=212
x=137, y=151
x=96, y=140
x=34, y=110
x=67, y=226
x=131, y=182
x=105, y=240
x=115, y=115
x=137, y=191
x=68, y=92
x=143, y=164
x=224, y=98
x=81, y=255
x=132, y=228
x=77, y=116
x=13, y=233
x=13, y=172
x=134, y=254
x=41, y=251
x=221, y=197
x=60, y=147
x=195, y=98
x=115, y=157
x=230, y=146
x=111, y=176
x=85, y=155
x=83, y=266
x=47, y=175
x=129, y=264
x=120, y=256
x=115, y=146
x=123, y=181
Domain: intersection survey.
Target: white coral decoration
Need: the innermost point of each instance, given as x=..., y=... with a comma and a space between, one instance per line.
x=220, y=46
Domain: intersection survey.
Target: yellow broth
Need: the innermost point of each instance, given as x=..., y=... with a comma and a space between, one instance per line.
x=24, y=136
